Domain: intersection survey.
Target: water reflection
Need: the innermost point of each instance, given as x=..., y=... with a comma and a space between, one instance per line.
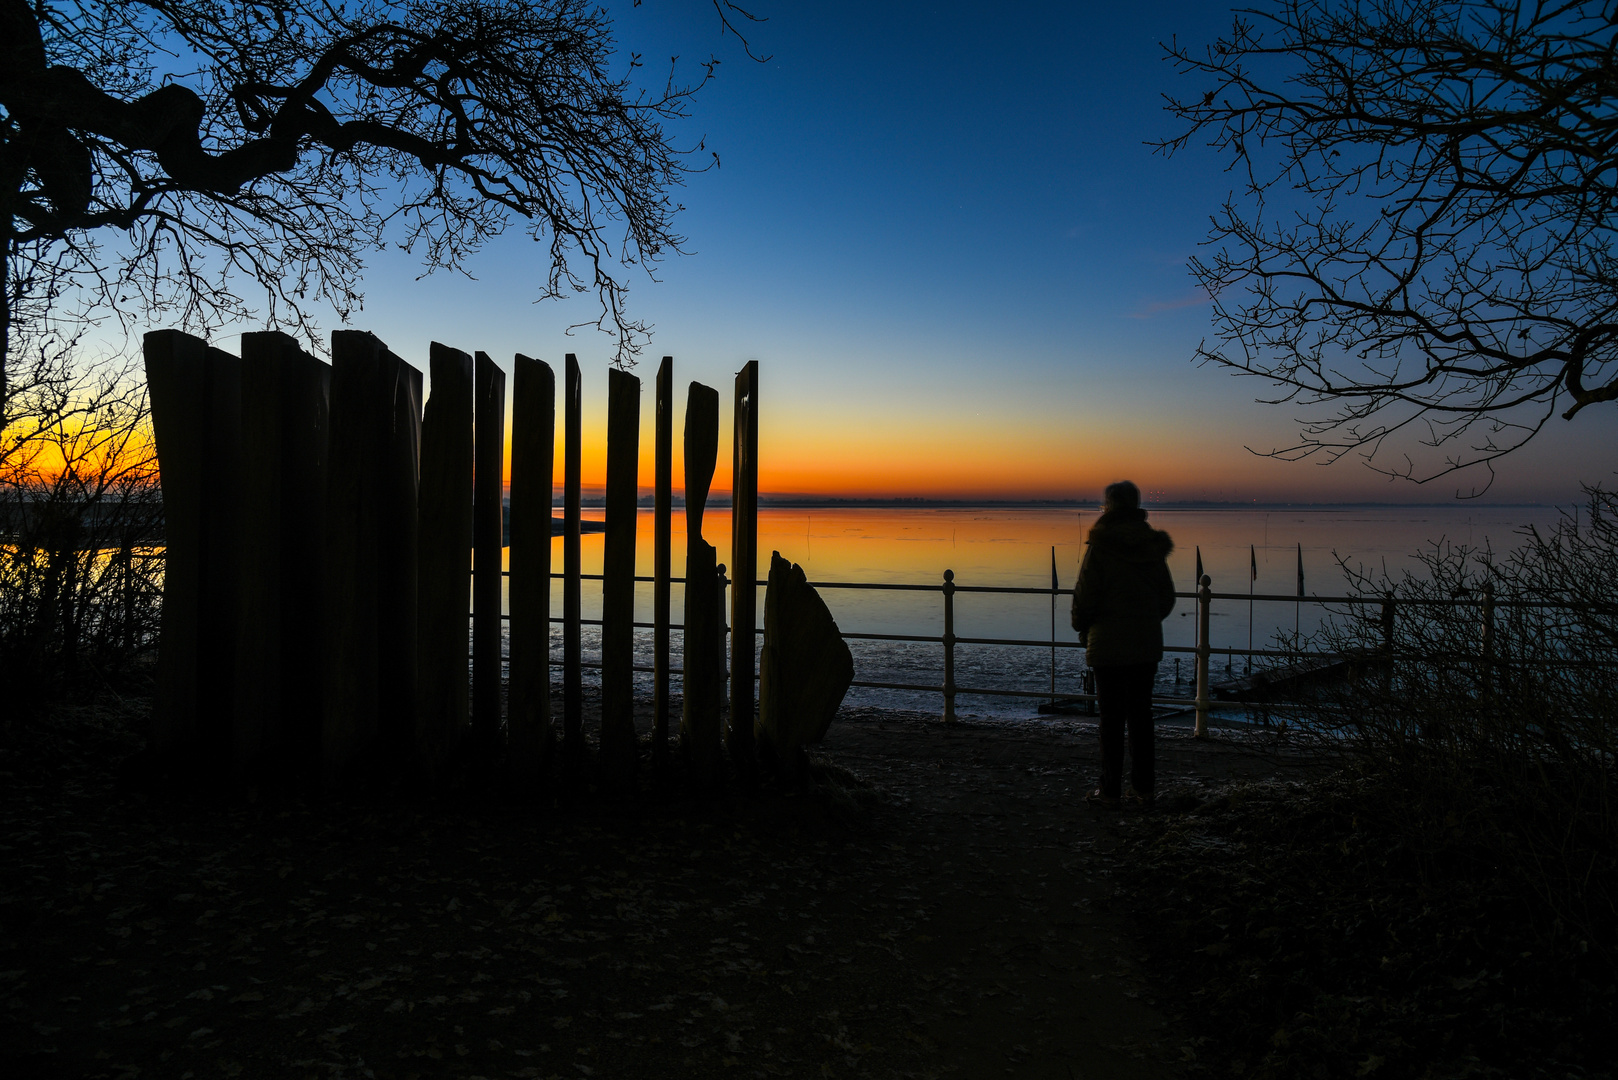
x=1013, y=547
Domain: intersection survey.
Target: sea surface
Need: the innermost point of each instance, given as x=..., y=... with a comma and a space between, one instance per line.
x=1015, y=547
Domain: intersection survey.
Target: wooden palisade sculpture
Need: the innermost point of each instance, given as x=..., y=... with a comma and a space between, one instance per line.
x=447, y=456
x=700, y=734
x=618, y=749
x=533, y=431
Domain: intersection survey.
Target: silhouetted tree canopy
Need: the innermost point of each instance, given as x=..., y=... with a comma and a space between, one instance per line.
x=1422, y=237
x=157, y=154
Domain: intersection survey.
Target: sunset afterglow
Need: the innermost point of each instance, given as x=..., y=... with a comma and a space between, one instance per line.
x=961, y=269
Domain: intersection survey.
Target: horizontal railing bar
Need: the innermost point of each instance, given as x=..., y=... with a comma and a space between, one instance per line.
x=1397, y=601
x=897, y=686
x=1279, y=598
x=1017, y=641
x=895, y=586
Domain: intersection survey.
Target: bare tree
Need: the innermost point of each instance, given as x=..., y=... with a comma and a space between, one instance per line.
x=157, y=154
x=1421, y=243
x=80, y=521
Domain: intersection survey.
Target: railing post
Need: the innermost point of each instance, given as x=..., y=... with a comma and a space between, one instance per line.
x=949, y=646
x=1204, y=601
x=1488, y=638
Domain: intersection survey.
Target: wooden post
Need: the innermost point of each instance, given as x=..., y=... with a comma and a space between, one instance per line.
x=447, y=464
x=488, y=525
x=662, y=542
x=703, y=650
x=371, y=556
x=196, y=421
x=258, y=627
x=398, y=564
x=1204, y=651
x=281, y=489
x=618, y=581
x=949, y=646
x=1054, y=587
x=305, y=444
x=533, y=452
x=572, y=647
x=744, y=569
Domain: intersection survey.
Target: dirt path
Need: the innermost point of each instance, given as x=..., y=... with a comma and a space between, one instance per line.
x=960, y=924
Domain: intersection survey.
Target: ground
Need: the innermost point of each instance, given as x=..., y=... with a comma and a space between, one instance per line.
x=943, y=904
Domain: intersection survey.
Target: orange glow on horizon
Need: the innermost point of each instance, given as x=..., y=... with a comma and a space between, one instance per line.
x=921, y=460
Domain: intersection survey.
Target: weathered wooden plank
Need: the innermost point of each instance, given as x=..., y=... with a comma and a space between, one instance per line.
x=305, y=439
x=572, y=645
x=445, y=568
x=533, y=453
x=618, y=751
x=351, y=527
x=662, y=524
x=744, y=569
x=196, y=417
x=703, y=652
x=371, y=557
x=221, y=565
x=280, y=486
x=258, y=626
x=398, y=568
x=487, y=530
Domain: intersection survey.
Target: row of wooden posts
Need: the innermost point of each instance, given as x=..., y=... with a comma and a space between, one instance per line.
x=321, y=524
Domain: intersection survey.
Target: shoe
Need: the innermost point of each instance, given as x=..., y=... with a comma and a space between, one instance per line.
x=1099, y=799
x=1144, y=800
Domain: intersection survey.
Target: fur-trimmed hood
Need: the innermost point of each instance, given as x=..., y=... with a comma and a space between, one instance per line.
x=1125, y=534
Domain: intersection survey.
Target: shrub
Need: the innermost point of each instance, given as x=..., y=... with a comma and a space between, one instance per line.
x=1442, y=901
x=80, y=530
x=1487, y=689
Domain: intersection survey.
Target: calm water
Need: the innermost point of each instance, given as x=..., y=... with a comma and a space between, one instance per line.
x=1014, y=548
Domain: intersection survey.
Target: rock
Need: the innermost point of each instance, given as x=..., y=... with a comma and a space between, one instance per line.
x=805, y=669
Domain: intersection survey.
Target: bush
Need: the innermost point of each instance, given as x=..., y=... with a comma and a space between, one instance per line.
x=80, y=530
x=1444, y=901
x=1498, y=715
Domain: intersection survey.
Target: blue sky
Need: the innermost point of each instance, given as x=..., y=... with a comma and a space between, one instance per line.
x=939, y=229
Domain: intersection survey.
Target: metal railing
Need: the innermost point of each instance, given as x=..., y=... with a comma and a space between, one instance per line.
x=1202, y=652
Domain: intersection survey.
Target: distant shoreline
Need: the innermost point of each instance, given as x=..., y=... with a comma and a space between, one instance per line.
x=766, y=502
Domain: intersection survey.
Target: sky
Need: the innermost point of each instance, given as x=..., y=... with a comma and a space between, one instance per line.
x=941, y=231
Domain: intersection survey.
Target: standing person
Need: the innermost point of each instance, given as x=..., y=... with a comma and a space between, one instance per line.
x=1123, y=595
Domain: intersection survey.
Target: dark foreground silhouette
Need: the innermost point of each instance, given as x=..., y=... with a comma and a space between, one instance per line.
x=937, y=902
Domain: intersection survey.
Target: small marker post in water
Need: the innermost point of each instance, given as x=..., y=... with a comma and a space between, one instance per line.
x=1297, y=606
x=1252, y=560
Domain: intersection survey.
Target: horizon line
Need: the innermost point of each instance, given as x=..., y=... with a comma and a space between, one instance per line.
x=716, y=499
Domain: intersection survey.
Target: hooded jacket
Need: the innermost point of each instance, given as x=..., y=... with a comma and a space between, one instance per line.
x=1124, y=591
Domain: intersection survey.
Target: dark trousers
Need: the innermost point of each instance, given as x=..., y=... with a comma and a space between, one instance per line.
x=1125, y=699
